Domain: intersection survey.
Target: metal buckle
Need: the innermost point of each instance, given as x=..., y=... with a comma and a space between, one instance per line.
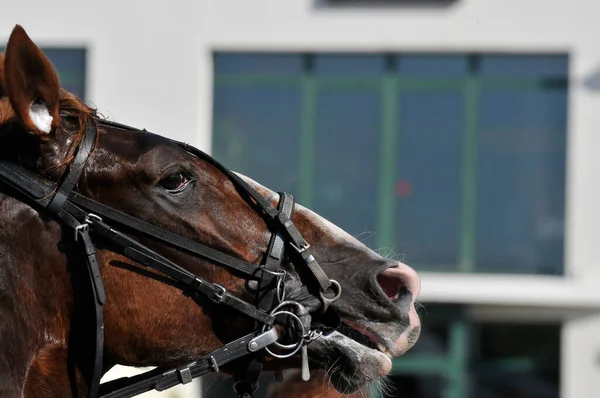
x=272, y=272
x=303, y=247
x=281, y=288
x=213, y=364
x=218, y=297
x=81, y=228
x=85, y=227
x=328, y=301
x=90, y=218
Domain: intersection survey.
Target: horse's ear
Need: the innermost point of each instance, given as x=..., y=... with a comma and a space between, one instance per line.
x=31, y=84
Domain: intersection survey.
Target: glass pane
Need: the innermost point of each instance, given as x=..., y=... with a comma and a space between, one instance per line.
x=509, y=367
x=267, y=64
x=433, y=65
x=344, y=64
x=256, y=132
x=521, y=181
x=347, y=148
x=428, y=179
x=70, y=66
x=522, y=66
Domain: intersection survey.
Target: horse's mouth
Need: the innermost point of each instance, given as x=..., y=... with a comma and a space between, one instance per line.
x=362, y=355
x=367, y=337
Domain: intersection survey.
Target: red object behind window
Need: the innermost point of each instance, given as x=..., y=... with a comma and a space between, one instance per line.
x=403, y=188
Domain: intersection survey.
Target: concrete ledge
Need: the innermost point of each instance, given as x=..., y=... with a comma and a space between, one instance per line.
x=509, y=290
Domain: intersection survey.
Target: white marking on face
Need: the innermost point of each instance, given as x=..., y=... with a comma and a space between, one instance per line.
x=40, y=116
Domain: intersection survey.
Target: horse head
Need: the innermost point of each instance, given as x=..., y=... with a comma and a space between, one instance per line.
x=148, y=319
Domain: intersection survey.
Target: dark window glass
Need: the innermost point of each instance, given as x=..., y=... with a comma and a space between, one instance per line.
x=257, y=132
x=428, y=178
x=432, y=65
x=521, y=181
x=347, y=147
x=517, y=361
x=524, y=66
x=71, y=67
x=349, y=65
x=265, y=64
x=70, y=64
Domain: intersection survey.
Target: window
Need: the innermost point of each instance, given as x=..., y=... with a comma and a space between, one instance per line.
x=70, y=64
x=458, y=357
x=454, y=162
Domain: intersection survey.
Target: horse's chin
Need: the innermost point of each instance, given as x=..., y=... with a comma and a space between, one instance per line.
x=356, y=366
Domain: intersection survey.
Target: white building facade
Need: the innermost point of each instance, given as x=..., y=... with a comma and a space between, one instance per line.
x=189, y=70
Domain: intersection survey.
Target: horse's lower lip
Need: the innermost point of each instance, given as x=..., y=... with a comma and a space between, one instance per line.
x=381, y=346
x=360, y=363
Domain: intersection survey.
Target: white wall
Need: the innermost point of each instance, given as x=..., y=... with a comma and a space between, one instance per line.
x=150, y=66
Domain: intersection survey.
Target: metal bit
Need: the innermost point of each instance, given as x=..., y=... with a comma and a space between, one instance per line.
x=305, y=369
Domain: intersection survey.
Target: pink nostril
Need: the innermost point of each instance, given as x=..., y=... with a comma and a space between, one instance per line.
x=392, y=280
x=390, y=286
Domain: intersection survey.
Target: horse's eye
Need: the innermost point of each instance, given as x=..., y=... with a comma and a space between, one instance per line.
x=174, y=182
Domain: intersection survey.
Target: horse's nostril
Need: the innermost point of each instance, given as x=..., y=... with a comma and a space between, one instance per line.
x=392, y=280
x=391, y=286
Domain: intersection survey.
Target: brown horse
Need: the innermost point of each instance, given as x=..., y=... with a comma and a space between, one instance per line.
x=148, y=319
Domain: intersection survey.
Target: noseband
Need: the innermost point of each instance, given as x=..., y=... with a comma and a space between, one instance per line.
x=89, y=219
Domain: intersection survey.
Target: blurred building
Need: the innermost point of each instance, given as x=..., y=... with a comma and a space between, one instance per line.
x=461, y=136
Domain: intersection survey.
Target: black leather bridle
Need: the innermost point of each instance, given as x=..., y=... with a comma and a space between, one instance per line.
x=90, y=219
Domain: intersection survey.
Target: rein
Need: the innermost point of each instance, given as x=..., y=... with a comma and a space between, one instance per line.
x=88, y=218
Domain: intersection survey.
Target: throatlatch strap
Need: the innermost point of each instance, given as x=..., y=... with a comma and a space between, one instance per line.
x=99, y=299
x=55, y=207
x=75, y=170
